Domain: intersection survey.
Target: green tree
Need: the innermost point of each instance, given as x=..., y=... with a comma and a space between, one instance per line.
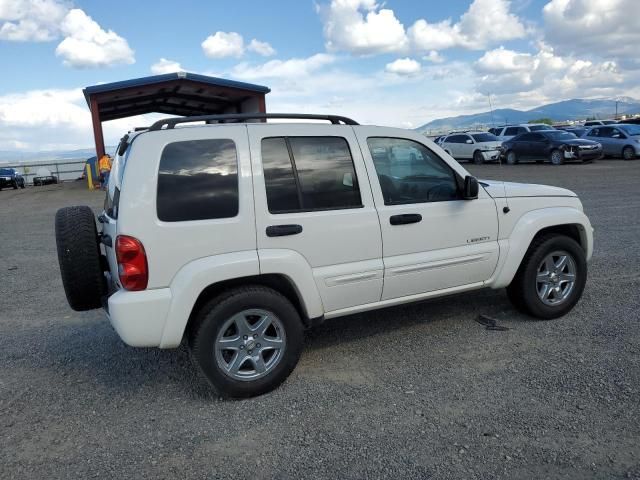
x=548, y=121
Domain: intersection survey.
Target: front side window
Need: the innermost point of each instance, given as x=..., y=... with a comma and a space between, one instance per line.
x=198, y=180
x=512, y=131
x=411, y=173
x=594, y=132
x=309, y=173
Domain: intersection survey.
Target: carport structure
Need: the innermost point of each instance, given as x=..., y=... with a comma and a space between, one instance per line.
x=181, y=93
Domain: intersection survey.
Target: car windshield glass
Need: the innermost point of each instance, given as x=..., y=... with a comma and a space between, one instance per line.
x=631, y=129
x=535, y=128
x=6, y=171
x=558, y=135
x=484, y=137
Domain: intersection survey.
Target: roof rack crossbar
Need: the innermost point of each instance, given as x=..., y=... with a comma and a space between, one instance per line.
x=237, y=117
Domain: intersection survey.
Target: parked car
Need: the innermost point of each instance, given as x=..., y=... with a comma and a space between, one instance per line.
x=44, y=177
x=577, y=131
x=554, y=145
x=249, y=232
x=510, y=131
x=621, y=140
x=478, y=147
x=10, y=178
x=592, y=123
x=630, y=121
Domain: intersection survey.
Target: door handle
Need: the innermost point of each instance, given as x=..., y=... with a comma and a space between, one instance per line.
x=405, y=218
x=283, y=230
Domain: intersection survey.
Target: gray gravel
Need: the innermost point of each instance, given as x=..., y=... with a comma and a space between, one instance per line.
x=419, y=391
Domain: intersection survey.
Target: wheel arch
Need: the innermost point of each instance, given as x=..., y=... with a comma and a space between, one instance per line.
x=565, y=221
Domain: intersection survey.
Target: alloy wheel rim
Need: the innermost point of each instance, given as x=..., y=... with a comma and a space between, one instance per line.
x=556, y=278
x=250, y=344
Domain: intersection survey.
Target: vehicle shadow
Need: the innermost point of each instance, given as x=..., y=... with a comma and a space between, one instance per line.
x=90, y=355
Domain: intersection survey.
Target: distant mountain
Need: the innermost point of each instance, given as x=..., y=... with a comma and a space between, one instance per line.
x=576, y=109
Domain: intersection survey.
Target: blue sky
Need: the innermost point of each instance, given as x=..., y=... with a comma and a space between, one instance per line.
x=397, y=62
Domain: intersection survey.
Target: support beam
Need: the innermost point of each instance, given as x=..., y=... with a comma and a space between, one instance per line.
x=97, y=127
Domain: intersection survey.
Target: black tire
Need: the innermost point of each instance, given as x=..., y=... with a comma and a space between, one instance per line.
x=522, y=291
x=478, y=159
x=212, y=317
x=512, y=158
x=79, y=257
x=15, y=185
x=628, y=153
x=556, y=157
x=22, y=184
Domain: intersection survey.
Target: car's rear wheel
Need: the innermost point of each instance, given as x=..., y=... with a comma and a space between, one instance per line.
x=512, y=158
x=246, y=341
x=628, y=153
x=551, y=277
x=556, y=157
x=478, y=159
x=80, y=258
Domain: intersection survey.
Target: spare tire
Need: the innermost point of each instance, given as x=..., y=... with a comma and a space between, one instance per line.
x=79, y=258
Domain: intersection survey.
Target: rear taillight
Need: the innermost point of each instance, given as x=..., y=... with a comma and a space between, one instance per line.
x=132, y=263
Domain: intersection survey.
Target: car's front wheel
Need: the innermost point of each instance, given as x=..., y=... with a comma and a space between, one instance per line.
x=247, y=341
x=478, y=158
x=551, y=277
x=556, y=157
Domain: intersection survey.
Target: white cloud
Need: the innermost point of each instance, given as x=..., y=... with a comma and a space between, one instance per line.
x=594, y=27
x=294, y=67
x=434, y=56
x=223, y=44
x=56, y=119
x=487, y=22
x=261, y=48
x=87, y=45
x=165, y=66
x=31, y=20
x=403, y=66
x=362, y=27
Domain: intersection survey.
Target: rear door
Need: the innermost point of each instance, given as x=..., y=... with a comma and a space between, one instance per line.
x=313, y=198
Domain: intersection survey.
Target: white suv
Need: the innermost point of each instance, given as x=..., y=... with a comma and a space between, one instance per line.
x=237, y=236
x=478, y=147
x=510, y=131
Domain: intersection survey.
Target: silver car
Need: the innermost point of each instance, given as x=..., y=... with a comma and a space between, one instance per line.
x=621, y=140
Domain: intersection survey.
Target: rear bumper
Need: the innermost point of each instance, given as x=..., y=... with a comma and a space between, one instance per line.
x=139, y=317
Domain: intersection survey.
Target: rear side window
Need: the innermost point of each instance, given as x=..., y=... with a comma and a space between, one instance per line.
x=198, y=180
x=512, y=131
x=309, y=173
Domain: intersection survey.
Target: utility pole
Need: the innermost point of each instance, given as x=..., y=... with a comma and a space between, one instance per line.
x=616, y=109
x=493, y=123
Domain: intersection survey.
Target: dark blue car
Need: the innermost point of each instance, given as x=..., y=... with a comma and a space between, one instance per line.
x=10, y=178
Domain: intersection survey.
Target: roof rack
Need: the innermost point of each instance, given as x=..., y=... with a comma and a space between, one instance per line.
x=238, y=117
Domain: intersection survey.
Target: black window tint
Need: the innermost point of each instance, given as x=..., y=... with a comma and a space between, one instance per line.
x=536, y=137
x=198, y=180
x=325, y=172
x=456, y=139
x=526, y=137
x=594, y=132
x=606, y=132
x=322, y=176
x=511, y=131
x=411, y=173
x=280, y=182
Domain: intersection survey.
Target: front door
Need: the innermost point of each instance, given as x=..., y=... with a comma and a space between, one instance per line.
x=313, y=200
x=432, y=239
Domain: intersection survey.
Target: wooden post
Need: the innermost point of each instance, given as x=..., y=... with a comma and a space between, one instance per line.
x=97, y=128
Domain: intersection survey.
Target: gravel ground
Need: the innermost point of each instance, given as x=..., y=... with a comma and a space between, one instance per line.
x=420, y=391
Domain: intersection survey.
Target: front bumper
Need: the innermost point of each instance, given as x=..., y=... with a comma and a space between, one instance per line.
x=582, y=154
x=139, y=317
x=491, y=155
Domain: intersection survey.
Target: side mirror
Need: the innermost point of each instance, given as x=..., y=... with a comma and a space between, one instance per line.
x=470, y=190
x=469, y=141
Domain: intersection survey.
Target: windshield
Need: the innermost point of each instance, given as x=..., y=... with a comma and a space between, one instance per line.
x=6, y=171
x=558, y=135
x=535, y=128
x=484, y=137
x=631, y=129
